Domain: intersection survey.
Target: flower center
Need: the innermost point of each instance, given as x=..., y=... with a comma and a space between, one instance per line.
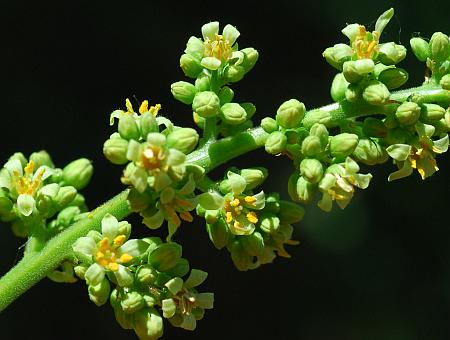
x=26, y=184
x=365, y=43
x=218, y=48
x=235, y=207
x=107, y=253
x=151, y=157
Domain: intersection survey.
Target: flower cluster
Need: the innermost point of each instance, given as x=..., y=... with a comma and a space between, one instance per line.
x=253, y=227
x=146, y=275
x=33, y=190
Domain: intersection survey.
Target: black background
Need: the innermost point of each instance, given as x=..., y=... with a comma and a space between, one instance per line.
x=378, y=270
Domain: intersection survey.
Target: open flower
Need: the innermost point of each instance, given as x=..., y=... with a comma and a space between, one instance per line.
x=143, y=108
x=23, y=183
x=109, y=252
x=186, y=305
x=339, y=182
x=419, y=155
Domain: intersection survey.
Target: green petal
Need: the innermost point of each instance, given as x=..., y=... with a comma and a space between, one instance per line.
x=211, y=200
x=399, y=152
x=205, y=300
x=169, y=308
x=155, y=221
x=211, y=63
x=110, y=226
x=383, y=20
x=210, y=30
x=404, y=171
x=260, y=202
x=94, y=274
x=194, y=47
x=196, y=278
x=351, y=167
x=25, y=204
x=124, y=276
x=351, y=31
x=362, y=181
x=189, y=323
x=174, y=285
x=139, y=179
x=161, y=181
x=85, y=246
x=230, y=33
x=133, y=247
x=326, y=203
x=156, y=139
x=189, y=187
x=442, y=144
x=14, y=165
x=237, y=182
x=175, y=157
x=134, y=151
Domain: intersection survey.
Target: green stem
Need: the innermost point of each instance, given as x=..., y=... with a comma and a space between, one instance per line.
x=37, y=265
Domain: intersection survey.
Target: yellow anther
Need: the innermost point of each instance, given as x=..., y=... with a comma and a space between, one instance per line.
x=113, y=266
x=144, y=107
x=186, y=216
x=104, y=243
x=155, y=109
x=250, y=199
x=119, y=240
x=238, y=224
x=99, y=255
x=252, y=218
x=235, y=202
x=29, y=168
x=129, y=106
x=218, y=48
x=125, y=258
x=229, y=217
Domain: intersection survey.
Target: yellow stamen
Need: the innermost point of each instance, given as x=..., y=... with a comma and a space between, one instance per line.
x=125, y=258
x=186, y=216
x=100, y=255
x=129, y=106
x=229, y=217
x=113, y=266
x=29, y=168
x=119, y=240
x=238, y=224
x=104, y=243
x=235, y=202
x=421, y=172
x=155, y=109
x=144, y=107
x=252, y=218
x=250, y=199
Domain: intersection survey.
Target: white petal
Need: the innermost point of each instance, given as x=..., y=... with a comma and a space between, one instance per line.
x=94, y=274
x=404, y=171
x=124, y=276
x=85, y=246
x=237, y=182
x=399, y=152
x=110, y=226
x=210, y=30
x=25, y=204
x=211, y=63
x=133, y=247
x=196, y=278
x=230, y=33
x=14, y=165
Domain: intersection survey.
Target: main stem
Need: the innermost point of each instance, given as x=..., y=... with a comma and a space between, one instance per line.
x=34, y=267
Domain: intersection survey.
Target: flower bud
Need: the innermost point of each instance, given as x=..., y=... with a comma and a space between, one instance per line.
x=337, y=55
x=364, y=66
x=445, y=82
x=240, y=258
x=183, y=139
x=305, y=190
x=233, y=114
x=276, y=143
x=183, y=91
x=218, y=233
x=311, y=146
x=146, y=275
x=66, y=216
x=408, y=113
x=269, y=124
x=374, y=127
x=391, y=53
x=311, y=169
x=353, y=92
x=41, y=158
x=132, y=302
x=439, y=46
x=320, y=131
x=148, y=124
x=317, y=116
x=432, y=112
x=420, y=48
x=80, y=270
x=234, y=73
x=226, y=95
x=78, y=173
x=6, y=204
x=115, y=150
x=269, y=223
x=376, y=93
x=290, y=212
x=206, y=104
x=393, y=77
x=290, y=113
x=253, y=244
x=350, y=72
x=370, y=152
x=250, y=58
x=190, y=66
x=250, y=108
x=99, y=293
x=165, y=256
x=254, y=177
x=343, y=145
x=203, y=83
x=148, y=324
x=338, y=87
x=128, y=129
x=65, y=196
x=180, y=269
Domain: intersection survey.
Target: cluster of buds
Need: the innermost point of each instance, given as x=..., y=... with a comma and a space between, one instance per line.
x=142, y=278
x=253, y=227
x=162, y=183
x=33, y=190
x=214, y=62
x=367, y=66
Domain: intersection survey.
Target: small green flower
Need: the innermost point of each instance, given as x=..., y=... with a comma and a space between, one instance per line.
x=109, y=252
x=339, y=182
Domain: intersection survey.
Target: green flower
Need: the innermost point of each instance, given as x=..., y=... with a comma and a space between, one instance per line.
x=419, y=155
x=339, y=182
x=185, y=305
x=109, y=252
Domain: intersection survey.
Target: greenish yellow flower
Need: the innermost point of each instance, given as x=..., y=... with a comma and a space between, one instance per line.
x=143, y=108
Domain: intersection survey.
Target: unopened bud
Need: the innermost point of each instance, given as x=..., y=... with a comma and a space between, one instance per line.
x=391, y=53
x=269, y=223
x=206, y=104
x=376, y=93
x=432, y=112
x=234, y=73
x=343, y=145
x=276, y=143
x=338, y=87
x=337, y=55
x=253, y=244
x=311, y=169
x=254, y=177
x=393, y=77
x=290, y=212
x=305, y=190
x=165, y=256
x=115, y=150
x=250, y=58
x=132, y=302
x=439, y=46
x=148, y=124
x=218, y=233
x=290, y=113
x=408, y=113
x=370, y=152
x=317, y=116
x=353, y=92
x=99, y=293
x=128, y=129
x=183, y=91
x=183, y=139
x=226, y=95
x=311, y=146
x=445, y=82
x=190, y=66
x=269, y=124
x=374, y=127
x=420, y=48
x=78, y=173
x=65, y=196
x=233, y=114
x=350, y=72
x=41, y=158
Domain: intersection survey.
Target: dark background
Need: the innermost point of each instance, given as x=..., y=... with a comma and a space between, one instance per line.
x=378, y=270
